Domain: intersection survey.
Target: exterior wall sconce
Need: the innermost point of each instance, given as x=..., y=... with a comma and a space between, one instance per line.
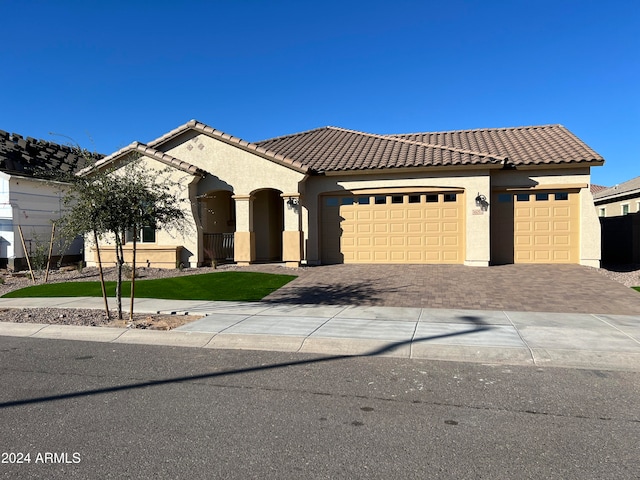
x=481, y=201
x=292, y=202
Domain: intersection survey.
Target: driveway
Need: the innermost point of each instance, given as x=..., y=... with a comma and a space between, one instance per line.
x=524, y=288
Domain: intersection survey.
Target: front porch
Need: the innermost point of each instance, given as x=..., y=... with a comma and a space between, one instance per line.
x=261, y=227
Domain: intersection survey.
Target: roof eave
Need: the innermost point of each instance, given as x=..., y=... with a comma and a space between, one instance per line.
x=411, y=169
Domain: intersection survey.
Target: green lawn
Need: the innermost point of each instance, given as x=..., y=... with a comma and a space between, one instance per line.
x=236, y=286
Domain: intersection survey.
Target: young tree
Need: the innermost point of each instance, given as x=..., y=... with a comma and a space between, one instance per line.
x=113, y=203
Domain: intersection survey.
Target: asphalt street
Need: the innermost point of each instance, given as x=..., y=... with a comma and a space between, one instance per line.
x=106, y=410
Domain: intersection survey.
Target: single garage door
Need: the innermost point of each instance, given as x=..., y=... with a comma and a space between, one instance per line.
x=546, y=227
x=407, y=227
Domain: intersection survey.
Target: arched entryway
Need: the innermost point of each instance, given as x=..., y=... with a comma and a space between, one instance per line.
x=268, y=224
x=218, y=219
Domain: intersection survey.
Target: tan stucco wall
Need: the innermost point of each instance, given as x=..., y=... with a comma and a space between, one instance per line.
x=559, y=177
x=614, y=208
x=243, y=172
x=472, y=181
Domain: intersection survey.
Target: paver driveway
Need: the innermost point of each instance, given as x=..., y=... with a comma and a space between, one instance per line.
x=529, y=288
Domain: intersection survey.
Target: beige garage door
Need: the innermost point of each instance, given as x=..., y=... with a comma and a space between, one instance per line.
x=546, y=227
x=393, y=228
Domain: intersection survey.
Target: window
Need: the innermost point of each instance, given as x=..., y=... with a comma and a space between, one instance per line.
x=380, y=200
x=144, y=235
x=346, y=201
x=542, y=197
x=363, y=200
x=522, y=197
x=602, y=212
x=432, y=198
x=561, y=196
x=331, y=202
x=625, y=209
x=396, y=198
x=505, y=198
x=449, y=197
x=414, y=198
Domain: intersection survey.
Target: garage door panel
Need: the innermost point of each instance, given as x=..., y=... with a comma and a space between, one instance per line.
x=398, y=241
x=414, y=214
x=381, y=256
x=364, y=241
x=543, y=240
x=364, y=256
x=414, y=228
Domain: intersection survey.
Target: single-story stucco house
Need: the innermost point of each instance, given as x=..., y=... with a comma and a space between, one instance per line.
x=331, y=195
x=30, y=201
x=621, y=199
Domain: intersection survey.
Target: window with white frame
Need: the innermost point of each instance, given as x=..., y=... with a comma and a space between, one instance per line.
x=625, y=209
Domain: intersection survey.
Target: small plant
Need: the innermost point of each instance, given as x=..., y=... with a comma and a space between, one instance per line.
x=38, y=253
x=126, y=271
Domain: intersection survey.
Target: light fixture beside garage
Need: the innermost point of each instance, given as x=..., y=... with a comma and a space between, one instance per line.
x=481, y=201
x=293, y=202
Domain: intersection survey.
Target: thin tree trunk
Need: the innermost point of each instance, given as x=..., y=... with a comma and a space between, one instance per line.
x=53, y=232
x=133, y=274
x=26, y=254
x=102, y=285
x=120, y=262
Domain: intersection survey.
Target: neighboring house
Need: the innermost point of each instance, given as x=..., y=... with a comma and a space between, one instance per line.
x=618, y=200
x=331, y=195
x=30, y=201
x=619, y=210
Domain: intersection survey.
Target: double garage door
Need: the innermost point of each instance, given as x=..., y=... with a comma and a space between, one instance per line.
x=402, y=227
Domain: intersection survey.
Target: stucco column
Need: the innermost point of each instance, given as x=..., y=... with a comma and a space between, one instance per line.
x=478, y=222
x=291, y=235
x=244, y=239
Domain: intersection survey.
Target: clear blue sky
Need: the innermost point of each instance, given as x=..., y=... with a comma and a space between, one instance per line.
x=108, y=73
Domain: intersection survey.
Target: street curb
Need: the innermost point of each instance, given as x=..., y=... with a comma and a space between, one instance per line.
x=557, y=358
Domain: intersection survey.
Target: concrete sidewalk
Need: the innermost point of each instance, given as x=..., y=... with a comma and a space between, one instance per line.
x=501, y=337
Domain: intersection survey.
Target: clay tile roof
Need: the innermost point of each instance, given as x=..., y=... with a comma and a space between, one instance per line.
x=627, y=188
x=535, y=145
x=39, y=158
x=596, y=188
x=335, y=149
x=147, y=151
